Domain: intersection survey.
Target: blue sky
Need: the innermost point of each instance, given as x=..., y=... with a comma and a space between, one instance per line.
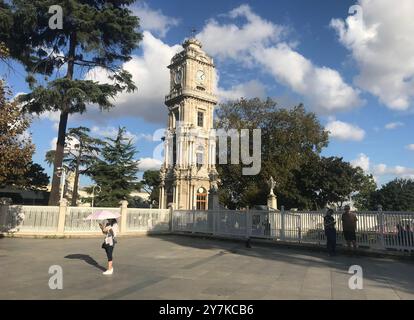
x=355, y=70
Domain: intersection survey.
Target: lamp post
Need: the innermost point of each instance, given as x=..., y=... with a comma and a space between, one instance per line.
x=61, y=173
x=93, y=193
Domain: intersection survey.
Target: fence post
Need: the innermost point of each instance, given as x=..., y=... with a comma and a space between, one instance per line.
x=124, y=216
x=63, y=207
x=214, y=213
x=248, y=223
x=282, y=223
x=381, y=226
x=171, y=218
x=194, y=222
x=4, y=212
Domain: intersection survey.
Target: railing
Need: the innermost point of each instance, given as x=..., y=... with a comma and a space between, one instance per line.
x=71, y=220
x=148, y=220
x=75, y=219
x=378, y=230
x=31, y=218
x=375, y=229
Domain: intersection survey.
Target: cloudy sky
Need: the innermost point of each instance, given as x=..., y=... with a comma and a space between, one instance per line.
x=352, y=65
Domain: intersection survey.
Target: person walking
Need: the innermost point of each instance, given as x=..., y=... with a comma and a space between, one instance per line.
x=349, y=225
x=110, y=230
x=330, y=232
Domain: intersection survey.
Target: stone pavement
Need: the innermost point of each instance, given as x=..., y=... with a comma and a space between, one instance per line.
x=179, y=267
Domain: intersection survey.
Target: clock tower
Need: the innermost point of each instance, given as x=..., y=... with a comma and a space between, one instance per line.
x=188, y=174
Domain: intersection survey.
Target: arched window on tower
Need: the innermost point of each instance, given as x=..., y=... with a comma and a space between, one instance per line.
x=201, y=199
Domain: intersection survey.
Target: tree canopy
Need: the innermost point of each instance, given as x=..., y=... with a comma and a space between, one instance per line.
x=81, y=151
x=115, y=171
x=292, y=141
x=95, y=34
x=16, y=148
x=396, y=195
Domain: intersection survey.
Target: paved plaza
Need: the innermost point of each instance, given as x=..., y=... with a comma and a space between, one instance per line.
x=179, y=267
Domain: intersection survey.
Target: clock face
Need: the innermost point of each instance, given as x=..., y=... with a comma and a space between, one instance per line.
x=178, y=77
x=200, y=76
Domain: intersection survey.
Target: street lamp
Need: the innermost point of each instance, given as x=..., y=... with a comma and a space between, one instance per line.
x=93, y=192
x=61, y=173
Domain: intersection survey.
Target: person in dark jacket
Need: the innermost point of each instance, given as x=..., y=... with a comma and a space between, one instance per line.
x=330, y=232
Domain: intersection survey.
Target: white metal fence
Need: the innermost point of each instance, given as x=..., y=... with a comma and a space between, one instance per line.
x=30, y=218
x=75, y=219
x=45, y=219
x=148, y=220
x=379, y=230
x=375, y=229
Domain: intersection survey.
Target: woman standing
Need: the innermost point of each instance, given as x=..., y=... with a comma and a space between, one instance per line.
x=111, y=231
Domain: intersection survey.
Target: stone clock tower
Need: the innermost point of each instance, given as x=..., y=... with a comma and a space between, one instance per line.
x=188, y=175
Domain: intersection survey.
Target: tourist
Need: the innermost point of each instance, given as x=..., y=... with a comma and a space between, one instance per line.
x=330, y=232
x=349, y=224
x=111, y=231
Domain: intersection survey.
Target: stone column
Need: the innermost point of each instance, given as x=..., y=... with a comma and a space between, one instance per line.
x=63, y=206
x=124, y=216
x=4, y=212
x=213, y=200
x=272, y=201
x=162, y=198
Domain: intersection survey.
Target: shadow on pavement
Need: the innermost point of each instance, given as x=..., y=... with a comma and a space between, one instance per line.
x=384, y=271
x=87, y=258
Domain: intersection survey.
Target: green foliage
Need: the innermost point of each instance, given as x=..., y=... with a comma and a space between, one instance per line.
x=16, y=149
x=150, y=183
x=81, y=151
x=292, y=140
x=103, y=31
x=115, y=171
x=323, y=181
x=396, y=195
x=34, y=178
x=289, y=139
x=96, y=34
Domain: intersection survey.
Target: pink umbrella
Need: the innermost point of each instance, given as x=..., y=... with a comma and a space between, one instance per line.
x=102, y=215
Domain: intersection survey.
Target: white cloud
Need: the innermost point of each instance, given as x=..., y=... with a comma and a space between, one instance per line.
x=323, y=88
x=410, y=147
x=362, y=161
x=53, y=116
x=112, y=132
x=380, y=39
x=258, y=42
x=393, y=125
x=232, y=41
x=250, y=89
x=70, y=143
x=151, y=76
x=154, y=20
x=149, y=164
x=398, y=171
x=345, y=131
x=53, y=143
x=380, y=170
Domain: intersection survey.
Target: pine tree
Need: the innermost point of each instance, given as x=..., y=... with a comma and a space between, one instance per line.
x=80, y=153
x=116, y=172
x=95, y=34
